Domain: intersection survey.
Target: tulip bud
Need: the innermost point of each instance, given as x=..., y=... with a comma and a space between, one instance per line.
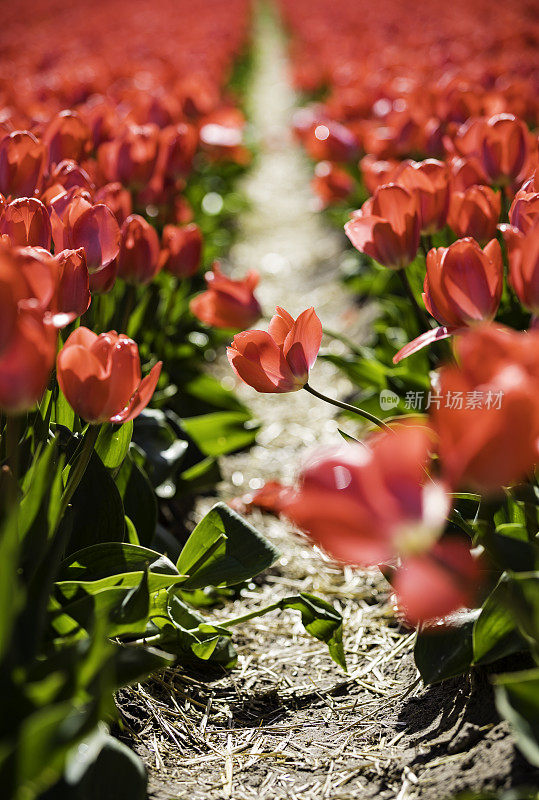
x=138, y=260
x=22, y=160
x=67, y=137
x=227, y=303
x=118, y=199
x=475, y=212
x=523, y=256
x=26, y=222
x=182, y=250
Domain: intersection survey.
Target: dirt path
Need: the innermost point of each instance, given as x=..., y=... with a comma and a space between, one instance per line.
x=288, y=723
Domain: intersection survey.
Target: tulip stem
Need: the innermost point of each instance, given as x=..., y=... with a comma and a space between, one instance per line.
x=347, y=407
x=422, y=318
x=78, y=469
x=130, y=299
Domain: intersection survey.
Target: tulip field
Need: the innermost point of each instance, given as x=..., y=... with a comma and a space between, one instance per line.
x=269, y=400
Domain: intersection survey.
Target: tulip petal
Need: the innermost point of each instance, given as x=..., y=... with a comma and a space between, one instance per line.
x=280, y=325
x=434, y=335
x=141, y=397
x=307, y=332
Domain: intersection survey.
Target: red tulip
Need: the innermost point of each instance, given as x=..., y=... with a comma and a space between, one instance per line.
x=138, y=260
x=118, y=199
x=366, y=505
x=26, y=222
x=376, y=173
x=13, y=289
x=26, y=362
x=429, y=182
x=328, y=140
x=431, y=585
x=67, y=136
x=131, y=157
x=463, y=286
x=70, y=175
x=101, y=377
x=271, y=499
x=279, y=360
x=331, y=183
x=488, y=436
x=466, y=172
x=524, y=211
x=177, y=148
x=475, y=212
x=387, y=226
x=22, y=159
x=72, y=290
x=505, y=147
x=523, y=255
x=227, y=303
x=182, y=250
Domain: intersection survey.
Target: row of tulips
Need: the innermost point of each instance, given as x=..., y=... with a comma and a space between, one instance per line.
x=120, y=144
x=444, y=501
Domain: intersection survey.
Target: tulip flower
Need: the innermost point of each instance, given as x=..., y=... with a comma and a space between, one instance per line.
x=475, y=212
x=428, y=181
x=505, y=148
x=328, y=140
x=376, y=173
x=466, y=172
x=387, y=227
x=26, y=222
x=524, y=210
x=67, y=136
x=26, y=362
x=181, y=250
x=463, y=286
x=227, y=303
x=431, y=585
x=488, y=436
x=22, y=159
x=117, y=198
x=138, y=260
x=278, y=360
x=72, y=296
x=101, y=378
x=13, y=289
x=331, y=183
x=523, y=256
x=367, y=505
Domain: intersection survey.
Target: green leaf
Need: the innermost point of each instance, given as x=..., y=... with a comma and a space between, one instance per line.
x=443, y=652
x=97, y=509
x=517, y=699
x=36, y=483
x=495, y=632
x=510, y=547
x=113, y=444
x=115, y=564
x=221, y=432
x=321, y=620
x=224, y=550
x=139, y=500
x=11, y=597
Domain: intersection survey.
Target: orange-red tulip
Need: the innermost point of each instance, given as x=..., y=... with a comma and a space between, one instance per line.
x=376, y=173
x=331, y=183
x=431, y=585
x=505, y=147
x=523, y=256
x=26, y=362
x=22, y=160
x=387, y=227
x=466, y=172
x=328, y=140
x=366, y=505
x=429, y=182
x=475, y=212
x=117, y=198
x=72, y=297
x=138, y=260
x=67, y=136
x=524, y=211
x=101, y=377
x=26, y=222
x=181, y=250
x=278, y=360
x=489, y=433
x=227, y=303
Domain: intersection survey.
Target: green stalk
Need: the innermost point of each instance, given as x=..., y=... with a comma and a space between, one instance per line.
x=79, y=468
x=347, y=407
x=422, y=319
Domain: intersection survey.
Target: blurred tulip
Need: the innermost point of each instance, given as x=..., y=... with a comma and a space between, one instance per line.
x=227, y=303
x=13, y=289
x=181, y=250
x=504, y=148
x=523, y=256
x=67, y=137
x=271, y=499
x=97, y=231
x=475, y=212
x=101, y=378
x=376, y=173
x=428, y=181
x=331, y=184
x=26, y=362
x=387, y=226
x=279, y=360
x=22, y=160
x=138, y=260
x=330, y=141
x=466, y=172
x=366, y=505
x=524, y=210
x=72, y=290
x=26, y=222
x=431, y=585
x=489, y=436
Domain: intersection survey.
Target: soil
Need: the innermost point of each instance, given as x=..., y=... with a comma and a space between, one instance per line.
x=288, y=723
